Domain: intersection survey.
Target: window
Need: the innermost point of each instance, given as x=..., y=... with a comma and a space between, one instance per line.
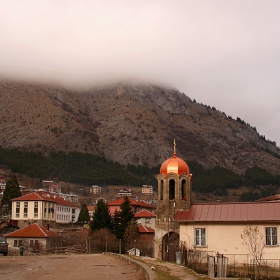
x=25, y=210
x=148, y=221
x=17, y=209
x=271, y=236
x=45, y=210
x=36, y=209
x=171, y=189
x=200, y=237
x=17, y=243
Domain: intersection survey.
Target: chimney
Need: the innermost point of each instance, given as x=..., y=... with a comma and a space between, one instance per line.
x=48, y=226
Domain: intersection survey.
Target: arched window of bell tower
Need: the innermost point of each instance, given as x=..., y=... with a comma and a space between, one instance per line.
x=184, y=189
x=172, y=189
x=161, y=190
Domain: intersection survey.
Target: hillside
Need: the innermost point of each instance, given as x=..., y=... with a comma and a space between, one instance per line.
x=133, y=124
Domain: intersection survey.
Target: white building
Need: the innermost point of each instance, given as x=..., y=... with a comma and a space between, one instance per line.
x=95, y=189
x=147, y=190
x=43, y=208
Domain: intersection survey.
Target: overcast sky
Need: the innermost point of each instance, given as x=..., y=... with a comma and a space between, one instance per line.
x=222, y=53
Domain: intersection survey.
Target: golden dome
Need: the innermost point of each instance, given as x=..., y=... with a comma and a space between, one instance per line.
x=174, y=165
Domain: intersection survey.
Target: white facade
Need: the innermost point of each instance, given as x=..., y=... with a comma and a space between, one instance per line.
x=95, y=189
x=67, y=213
x=225, y=238
x=147, y=190
x=147, y=222
x=33, y=211
x=69, y=197
x=43, y=208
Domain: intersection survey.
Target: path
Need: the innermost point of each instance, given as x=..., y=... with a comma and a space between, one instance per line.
x=66, y=267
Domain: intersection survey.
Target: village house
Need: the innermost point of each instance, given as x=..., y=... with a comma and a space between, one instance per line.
x=135, y=205
x=146, y=219
x=124, y=192
x=43, y=208
x=146, y=240
x=33, y=237
x=66, y=211
x=54, y=188
x=69, y=197
x=2, y=184
x=95, y=189
x=147, y=190
x=91, y=210
x=217, y=228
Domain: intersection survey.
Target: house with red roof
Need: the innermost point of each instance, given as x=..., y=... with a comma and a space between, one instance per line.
x=43, y=208
x=145, y=240
x=136, y=205
x=33, y=237
x=146, y=219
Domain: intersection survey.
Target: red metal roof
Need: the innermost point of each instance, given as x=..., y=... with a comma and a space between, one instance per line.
x=144, y=214
x=143, y=229
x=33, y=230
x=231, y=212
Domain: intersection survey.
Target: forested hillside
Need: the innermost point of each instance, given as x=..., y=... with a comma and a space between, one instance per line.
x=87, y=169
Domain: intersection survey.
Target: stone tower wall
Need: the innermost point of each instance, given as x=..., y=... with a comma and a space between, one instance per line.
x=174, y=193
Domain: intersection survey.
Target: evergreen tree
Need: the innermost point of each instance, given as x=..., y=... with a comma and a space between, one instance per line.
x=101, y=217
x=12, y=190
x=117, y=224
x=84, y=215
x=123, y=218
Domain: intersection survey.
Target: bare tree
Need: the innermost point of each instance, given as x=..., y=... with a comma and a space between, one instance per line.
x=103, y=240
x=254, y=241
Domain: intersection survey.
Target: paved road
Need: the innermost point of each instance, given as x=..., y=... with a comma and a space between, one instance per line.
x=66, y=267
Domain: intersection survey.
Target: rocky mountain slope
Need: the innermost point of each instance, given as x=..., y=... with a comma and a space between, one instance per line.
x=130, y=124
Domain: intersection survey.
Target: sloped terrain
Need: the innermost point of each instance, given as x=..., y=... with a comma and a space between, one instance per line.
x=130, y=124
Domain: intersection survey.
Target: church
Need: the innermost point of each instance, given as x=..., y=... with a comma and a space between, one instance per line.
x=211, y=227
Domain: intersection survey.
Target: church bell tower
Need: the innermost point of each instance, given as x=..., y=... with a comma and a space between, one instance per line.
x=174, y=193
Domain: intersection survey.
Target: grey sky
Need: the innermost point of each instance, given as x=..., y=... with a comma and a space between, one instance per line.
x=223, y=53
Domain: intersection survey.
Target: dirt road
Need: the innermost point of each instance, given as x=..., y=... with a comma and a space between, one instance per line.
x=68, y=267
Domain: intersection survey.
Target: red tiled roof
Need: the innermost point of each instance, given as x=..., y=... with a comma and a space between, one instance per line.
x=43, y=196
x=144, y=214
x=231, y=212
x=269, y=198
x=143, y=229
x=33, y=230
x=91, y=208
x=133, y=202
x=33, y=197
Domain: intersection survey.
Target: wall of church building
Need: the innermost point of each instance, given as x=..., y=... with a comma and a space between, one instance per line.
x=174, y=193
x=159, y=233
x=226, y=239
x=175, y=188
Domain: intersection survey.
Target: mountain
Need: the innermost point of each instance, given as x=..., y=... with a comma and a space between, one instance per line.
x=129, y=123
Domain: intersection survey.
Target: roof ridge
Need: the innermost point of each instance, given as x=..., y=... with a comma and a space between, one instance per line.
x=41, y=228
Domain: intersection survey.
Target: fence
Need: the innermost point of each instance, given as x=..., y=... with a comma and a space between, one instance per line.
x=76, y=249
x=231, y=265
x=268, y=269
